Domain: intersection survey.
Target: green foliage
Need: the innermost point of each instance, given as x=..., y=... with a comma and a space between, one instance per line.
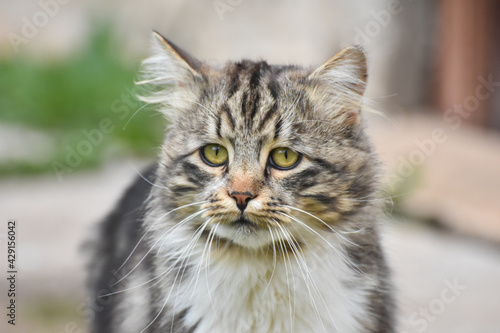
x=399, y=188
x=66, y=97
x=54, y=314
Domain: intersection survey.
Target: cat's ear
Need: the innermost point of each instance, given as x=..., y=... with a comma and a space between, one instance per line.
x=340, y=83
x=175, y=56
x=170, y=74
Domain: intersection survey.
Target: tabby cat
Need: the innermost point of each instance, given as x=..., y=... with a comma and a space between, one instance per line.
x=261, y=214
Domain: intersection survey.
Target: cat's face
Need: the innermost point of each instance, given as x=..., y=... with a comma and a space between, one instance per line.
x=269, y=152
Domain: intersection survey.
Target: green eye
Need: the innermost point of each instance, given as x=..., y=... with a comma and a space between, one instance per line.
x=214, y=155
x=284, y=158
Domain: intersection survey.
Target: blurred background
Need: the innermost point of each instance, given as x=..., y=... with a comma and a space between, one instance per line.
x=72, y=134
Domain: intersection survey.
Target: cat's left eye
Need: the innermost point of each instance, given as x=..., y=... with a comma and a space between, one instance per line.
x=214, y=155
x=284, y=158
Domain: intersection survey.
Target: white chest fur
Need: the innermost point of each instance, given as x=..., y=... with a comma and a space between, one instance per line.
x=317, y=293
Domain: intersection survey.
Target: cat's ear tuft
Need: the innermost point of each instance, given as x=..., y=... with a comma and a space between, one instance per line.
x=348, y=67
x=340, y=83
x=171, y=75
x=178, y=56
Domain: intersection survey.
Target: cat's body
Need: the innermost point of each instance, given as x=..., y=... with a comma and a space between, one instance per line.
x=262, y=213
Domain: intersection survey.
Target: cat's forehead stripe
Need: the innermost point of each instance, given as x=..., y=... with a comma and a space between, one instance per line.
x=234, y=79
x=251, y=95
x=277, y=128
x=225, y=109
x=244, y=104
x=218, y=127
x=272, y=110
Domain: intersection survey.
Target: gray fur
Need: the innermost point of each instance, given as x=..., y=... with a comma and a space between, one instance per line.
x=248, y=107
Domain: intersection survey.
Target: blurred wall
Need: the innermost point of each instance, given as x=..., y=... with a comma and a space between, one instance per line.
x=468, y=57
x=398, y=35
x=421, y=53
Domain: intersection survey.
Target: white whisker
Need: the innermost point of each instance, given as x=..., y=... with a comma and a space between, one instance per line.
x=185, y=255
x=145, y=179
x=207, y=266
x=149, y=229
x=299, y=256
x=274, y=259
x=283, y=251
x=162, y=275
x=326, y=224
x=136, y=112
x=347, y=261
x=156, y=242
x=199, y=232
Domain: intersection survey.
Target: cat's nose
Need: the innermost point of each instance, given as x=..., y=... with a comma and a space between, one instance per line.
x=242, y=199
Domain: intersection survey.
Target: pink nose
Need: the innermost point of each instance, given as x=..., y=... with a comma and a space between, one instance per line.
x=242, y=199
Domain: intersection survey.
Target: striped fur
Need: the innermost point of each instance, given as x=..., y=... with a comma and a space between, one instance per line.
x=306, y=247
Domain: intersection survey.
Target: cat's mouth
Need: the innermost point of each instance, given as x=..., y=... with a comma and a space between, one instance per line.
x=243, y=232
x=243, y=222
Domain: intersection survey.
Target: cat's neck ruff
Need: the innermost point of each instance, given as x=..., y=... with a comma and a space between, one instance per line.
x=314, y=290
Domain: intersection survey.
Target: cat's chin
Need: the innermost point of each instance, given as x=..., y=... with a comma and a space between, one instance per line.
x=244, y=234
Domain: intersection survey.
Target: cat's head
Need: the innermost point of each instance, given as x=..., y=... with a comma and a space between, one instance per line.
x=259, y=152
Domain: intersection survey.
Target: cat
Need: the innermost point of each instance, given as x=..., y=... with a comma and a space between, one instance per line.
x=262, y=213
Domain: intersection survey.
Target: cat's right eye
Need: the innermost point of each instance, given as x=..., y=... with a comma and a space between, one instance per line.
x=214, y=155
x=284, y=158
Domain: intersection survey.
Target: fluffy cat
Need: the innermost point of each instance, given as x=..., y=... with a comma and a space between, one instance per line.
x=261, y=214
